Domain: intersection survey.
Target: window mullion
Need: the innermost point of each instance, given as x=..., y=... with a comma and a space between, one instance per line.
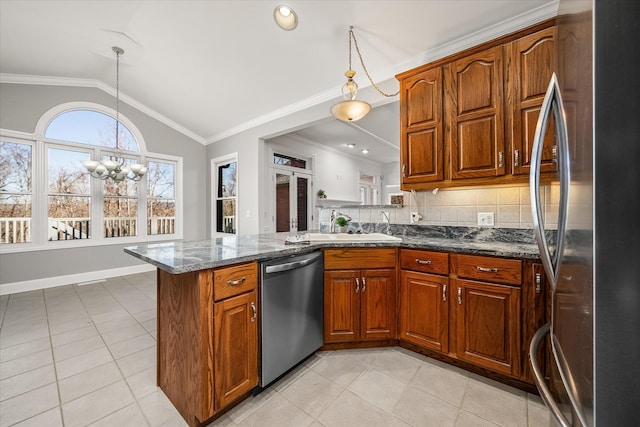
x=97, y=204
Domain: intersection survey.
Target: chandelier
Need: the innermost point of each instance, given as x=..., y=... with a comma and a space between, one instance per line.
x=115, y=168
x=352, y=109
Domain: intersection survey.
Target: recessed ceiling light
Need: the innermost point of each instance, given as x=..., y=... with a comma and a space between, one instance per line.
x=365, y=150
x=285, y=17
x=351, y=145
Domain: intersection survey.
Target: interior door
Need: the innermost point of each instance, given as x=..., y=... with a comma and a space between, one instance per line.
x=292, y=201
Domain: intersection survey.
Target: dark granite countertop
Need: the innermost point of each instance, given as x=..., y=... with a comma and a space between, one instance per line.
x=185, y=256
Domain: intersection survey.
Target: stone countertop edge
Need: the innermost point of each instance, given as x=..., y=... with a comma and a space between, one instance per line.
x=187, y=256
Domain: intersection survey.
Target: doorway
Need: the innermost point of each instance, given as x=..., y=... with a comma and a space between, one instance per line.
x=292, y=181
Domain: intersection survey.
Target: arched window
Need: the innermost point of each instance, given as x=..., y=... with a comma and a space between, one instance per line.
x=78, y=208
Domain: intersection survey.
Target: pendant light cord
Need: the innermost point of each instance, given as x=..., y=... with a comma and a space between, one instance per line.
x=366, y=72
x=117, y=99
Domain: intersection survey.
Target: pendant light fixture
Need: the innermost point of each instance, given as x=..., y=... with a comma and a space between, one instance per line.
x=352, y=109
x=115, y=168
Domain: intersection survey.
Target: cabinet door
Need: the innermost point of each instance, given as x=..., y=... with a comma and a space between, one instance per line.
x=488, y=325
x=235, y=348
x=424, y=310
x=377, y=304
x=530, y=64
x=421, y=138
x=341, y=306
x=475, y=115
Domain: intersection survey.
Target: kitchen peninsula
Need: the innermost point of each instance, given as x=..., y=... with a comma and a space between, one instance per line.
x=444, y=288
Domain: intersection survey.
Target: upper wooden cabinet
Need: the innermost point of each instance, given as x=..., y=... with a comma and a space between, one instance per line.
x=469, y=119
x=422, y=145
x=530, y=62
x=474, y=115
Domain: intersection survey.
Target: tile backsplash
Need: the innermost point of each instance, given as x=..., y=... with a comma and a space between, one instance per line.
x=511, y=208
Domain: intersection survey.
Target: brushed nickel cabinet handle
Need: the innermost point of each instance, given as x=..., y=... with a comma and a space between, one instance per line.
x=357, y=285
x=255, y=312
x=364, y=285
x=538, y=283
x=240, y=281
x=444, y=292
x=459, y=296
x=404, y=168
x=500, y=159
x=423, y=261
x=516, y=155
x=487, y=270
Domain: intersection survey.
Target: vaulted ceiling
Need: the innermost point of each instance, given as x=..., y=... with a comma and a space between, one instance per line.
x=213, y=68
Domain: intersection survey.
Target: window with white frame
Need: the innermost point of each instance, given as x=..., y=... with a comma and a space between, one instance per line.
x=72, y=205
x=225, y=187
x=16, y=178
x=369, y=189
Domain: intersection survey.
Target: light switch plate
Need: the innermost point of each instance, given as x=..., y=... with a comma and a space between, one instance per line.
x=485, y=219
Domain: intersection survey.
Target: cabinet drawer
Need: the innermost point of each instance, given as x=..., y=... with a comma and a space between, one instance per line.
x=234, y=280
x=490, y=269
x=341, y=259
x=424, y=261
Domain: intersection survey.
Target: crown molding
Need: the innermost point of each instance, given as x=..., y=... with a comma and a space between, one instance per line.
x=97, y=84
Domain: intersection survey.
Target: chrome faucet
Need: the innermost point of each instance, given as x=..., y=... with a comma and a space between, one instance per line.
x=334, y=216
x=388, y=221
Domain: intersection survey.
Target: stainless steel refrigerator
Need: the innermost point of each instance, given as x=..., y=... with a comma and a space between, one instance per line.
x=592, y=258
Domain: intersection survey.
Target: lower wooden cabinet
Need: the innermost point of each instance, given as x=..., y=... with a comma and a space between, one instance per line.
x=488, y=325
x=424, y=310
x=207, y=351
x=359, y=305
x=235, y=348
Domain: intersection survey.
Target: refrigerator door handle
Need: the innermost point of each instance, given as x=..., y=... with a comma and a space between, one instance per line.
x=538, y=377
x=552, y=104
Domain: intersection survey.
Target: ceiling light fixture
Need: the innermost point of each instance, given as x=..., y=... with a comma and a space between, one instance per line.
x=285, y=17
x=352, y=109
x=365, y=150
x=114, y=168
x=351, y=145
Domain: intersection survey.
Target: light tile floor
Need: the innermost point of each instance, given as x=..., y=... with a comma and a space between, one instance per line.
x=85, y=355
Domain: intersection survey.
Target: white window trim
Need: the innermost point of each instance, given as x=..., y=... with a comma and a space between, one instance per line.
x=39, y=240
x=228, y=158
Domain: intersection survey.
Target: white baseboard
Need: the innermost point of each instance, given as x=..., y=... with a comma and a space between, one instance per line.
x=70, y=279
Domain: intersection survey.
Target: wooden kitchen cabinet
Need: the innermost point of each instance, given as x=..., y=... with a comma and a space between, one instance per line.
x=530, y=62
x=487, y=313
x=474, y=114
x=424, y=306
x=469, y=119
x=207, y=351
x=235, y=347
x=421, y=127
x=359, y=304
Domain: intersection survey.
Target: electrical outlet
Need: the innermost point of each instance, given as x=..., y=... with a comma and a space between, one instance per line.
x=485, y=219
x=415, y=217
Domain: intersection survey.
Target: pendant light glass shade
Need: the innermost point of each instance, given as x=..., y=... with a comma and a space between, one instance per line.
x=350, y=110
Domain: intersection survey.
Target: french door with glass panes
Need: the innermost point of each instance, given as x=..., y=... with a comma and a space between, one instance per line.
x=292, y=201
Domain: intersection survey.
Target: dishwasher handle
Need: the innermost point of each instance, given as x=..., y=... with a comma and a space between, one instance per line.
x=277, y=268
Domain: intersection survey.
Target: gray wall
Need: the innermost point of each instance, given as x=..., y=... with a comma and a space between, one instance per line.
x=20, y=108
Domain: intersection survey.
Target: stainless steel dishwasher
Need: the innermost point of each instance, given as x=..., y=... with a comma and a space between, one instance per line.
x=291, y=312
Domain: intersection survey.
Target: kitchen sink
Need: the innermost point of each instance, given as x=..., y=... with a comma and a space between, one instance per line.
x=356, y=237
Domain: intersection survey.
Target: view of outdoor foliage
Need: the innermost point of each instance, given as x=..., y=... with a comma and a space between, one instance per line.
x=69, y=196
x=226, y=198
